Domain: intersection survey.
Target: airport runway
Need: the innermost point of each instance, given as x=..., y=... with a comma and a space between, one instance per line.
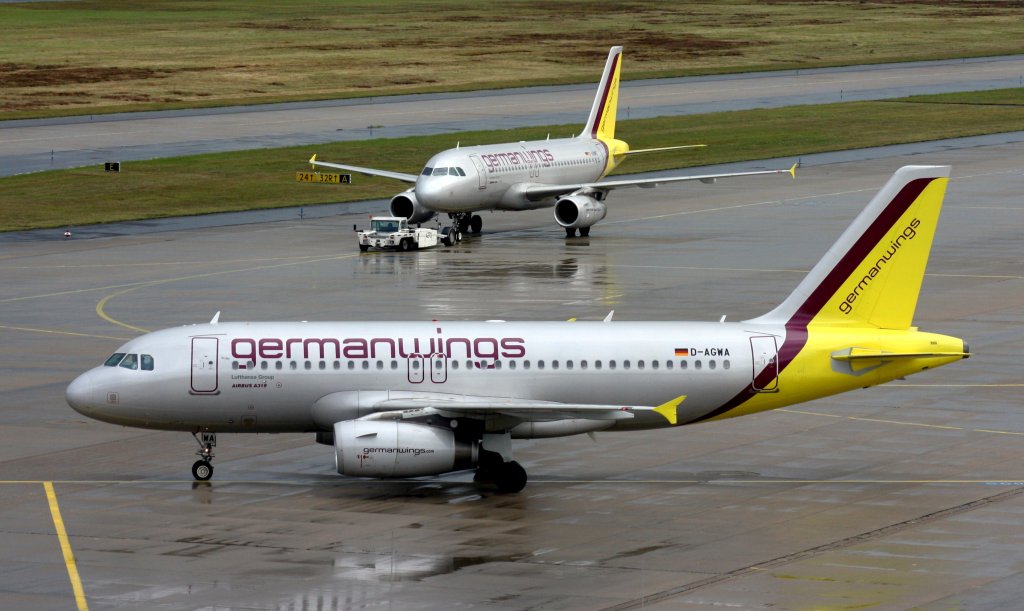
x=887, y=498
x=36, y=145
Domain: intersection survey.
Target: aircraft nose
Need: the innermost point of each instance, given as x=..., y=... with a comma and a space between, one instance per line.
x=428, y=192
x=79, y=393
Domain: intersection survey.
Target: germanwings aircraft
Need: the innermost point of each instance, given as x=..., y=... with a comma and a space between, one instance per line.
x=409, y=399
x=527, y=175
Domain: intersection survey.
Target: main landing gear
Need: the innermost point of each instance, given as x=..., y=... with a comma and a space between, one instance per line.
x=202, y=469
x=496, y=466
x=571, y=233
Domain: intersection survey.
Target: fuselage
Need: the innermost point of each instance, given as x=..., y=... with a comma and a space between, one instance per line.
x=496, y=176
x=267, y=377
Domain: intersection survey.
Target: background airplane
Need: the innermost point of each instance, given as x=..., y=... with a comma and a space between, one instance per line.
x=527, y=175
x=407, y=399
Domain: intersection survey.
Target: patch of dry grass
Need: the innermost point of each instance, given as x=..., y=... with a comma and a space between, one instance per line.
x=101, y=56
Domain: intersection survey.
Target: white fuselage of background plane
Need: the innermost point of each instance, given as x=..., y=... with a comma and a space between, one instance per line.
x=498, y=175
x=250, y=377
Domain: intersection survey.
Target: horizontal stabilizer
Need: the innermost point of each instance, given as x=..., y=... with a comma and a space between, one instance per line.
x=858, y=354
x=666, y=148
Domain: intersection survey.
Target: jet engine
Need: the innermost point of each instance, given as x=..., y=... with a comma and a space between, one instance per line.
x=579, y=211
x=382, y=448
x=405, y=204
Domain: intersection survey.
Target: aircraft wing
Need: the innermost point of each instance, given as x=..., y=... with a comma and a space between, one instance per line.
x=367, y=171
x=414, y=405
x=536, y=192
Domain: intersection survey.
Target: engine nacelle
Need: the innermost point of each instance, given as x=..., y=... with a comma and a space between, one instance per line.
x=381, y=448
x=579, y=211
x=406, y=205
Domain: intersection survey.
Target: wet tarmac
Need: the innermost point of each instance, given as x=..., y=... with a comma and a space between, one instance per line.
x=888, y=498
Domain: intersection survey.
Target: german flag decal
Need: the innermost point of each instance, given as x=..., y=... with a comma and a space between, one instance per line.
x=682, y=352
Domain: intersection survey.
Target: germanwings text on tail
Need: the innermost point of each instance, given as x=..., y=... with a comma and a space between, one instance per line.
x=408, y=399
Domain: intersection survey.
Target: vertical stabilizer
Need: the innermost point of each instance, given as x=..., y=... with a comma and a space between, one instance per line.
x=872, y=275
x=601, y=123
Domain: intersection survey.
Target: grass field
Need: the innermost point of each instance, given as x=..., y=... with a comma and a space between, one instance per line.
x=265, y=178
x=117, y=55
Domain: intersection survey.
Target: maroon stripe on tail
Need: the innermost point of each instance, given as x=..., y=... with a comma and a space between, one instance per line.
x=796, y=327
x=604, y=97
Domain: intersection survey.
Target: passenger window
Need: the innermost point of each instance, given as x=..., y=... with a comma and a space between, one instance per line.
x=526, y=364
x=455, y=364
x=380, y=365
x=540, y=364
x=655, y=364
x=351, y=365
x=394, y=364
x=682, y=364
x=668, y=364
x=554, y=364
x=293, y=365
x=337, y=365
x=366, y=364
x=147, y=362
x=625, y=364
x=278, y=365
x=611, y=364
x=323, y=365
x=597, y=364
x=568, y=364
x=131, y=361
x=497, y=364
x=725, y=364
x=711, y=364
x=511, y=364
x=583, y=364
x=696, y=364
x=308, y=365
x=114, y=359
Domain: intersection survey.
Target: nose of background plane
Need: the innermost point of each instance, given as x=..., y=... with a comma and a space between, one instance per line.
x=79, y=393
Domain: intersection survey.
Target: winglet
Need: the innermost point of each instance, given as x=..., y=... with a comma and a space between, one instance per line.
x=668, y=409
x=792, y=170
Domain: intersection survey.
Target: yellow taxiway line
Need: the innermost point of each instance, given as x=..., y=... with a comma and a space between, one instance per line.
x=65, y=547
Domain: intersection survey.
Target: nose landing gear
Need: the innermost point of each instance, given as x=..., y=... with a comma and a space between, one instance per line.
x=202, y=469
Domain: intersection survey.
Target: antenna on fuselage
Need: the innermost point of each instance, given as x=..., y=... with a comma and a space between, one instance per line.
x=216, y=317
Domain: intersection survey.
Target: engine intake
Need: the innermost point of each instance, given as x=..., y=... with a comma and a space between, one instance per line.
x=579, y=211
x=381, y=448
x=405, y=204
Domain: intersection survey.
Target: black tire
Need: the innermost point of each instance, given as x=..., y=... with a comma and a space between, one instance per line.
x=510, y=477
x=364, y=247
x=584, y=232
x=456, y=236
x=404, y=245
x=570, y=232
x=202, y=470
x=476, y=223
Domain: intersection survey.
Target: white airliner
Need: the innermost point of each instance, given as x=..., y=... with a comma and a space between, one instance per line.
x=408, y=399
x=527, y=175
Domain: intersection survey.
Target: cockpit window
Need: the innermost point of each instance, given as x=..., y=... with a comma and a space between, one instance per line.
x=114, y=359
x=426, y=171
x=131, y=361
x=147, y=362
x=440, y=171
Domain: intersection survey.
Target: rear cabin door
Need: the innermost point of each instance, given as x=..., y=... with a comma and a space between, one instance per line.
x=204, y=365
x=765, y=373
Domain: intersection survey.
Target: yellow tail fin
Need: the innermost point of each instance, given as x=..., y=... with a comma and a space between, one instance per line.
x=601, y=123
x=872, y=275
